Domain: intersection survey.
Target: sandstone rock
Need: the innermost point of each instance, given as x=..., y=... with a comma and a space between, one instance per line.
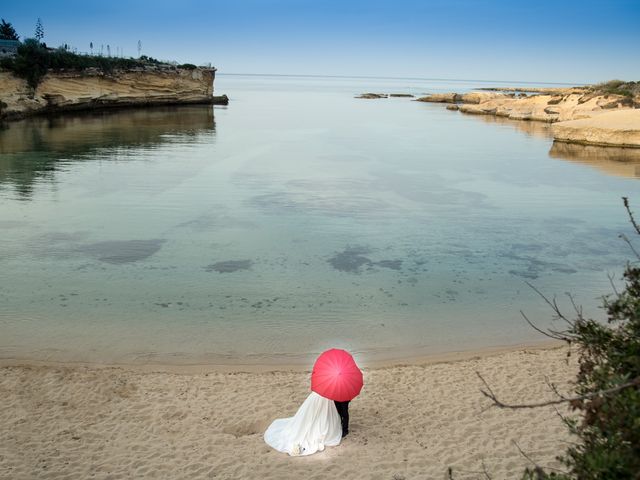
x=537, y=107
x=453, y=107
x=609, y=105
x=408, y=95
x=372, y=96
x=480, y=97
x=618, y=128
x=586, y=97
x=220, y=100
x=89, y=89
x=440, y=98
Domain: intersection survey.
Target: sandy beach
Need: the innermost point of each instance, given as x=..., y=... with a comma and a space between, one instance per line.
x=411, y=421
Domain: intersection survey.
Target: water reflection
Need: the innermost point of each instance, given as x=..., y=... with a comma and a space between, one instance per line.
x=530, y=128
x=623, y=162
x=34, y=149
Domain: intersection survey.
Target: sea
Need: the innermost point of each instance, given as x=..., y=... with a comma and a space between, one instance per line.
x=300, y=218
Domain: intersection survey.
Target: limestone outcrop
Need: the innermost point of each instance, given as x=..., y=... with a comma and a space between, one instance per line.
x=375, y=96
x=545, y=107
x=618, y=128
x=549, y=108
x=372, y=96
x=579, y=114
x=441, y=98
x=60, y=91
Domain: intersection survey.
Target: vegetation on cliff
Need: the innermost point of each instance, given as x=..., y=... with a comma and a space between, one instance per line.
x=619, y=87
x=34, y=59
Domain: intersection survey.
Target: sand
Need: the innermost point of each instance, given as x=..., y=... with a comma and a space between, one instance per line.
x=412, y=421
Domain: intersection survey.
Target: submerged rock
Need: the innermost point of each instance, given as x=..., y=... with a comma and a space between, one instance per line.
x=122, y=251
x=350, y=260
x=372, y=96
x=229, y=266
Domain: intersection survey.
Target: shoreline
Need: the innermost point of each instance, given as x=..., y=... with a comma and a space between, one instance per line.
x=90, y=90
x=412, y=359
x=55, y=112
x=412, y=421
x=579, y=115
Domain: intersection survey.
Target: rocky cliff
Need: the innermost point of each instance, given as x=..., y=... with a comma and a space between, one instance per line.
x=60, y=91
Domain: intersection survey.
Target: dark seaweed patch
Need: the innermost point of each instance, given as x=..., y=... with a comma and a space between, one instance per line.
x=122, y=251
x=533, y=267
x=229, y=266
x=350, y=259
x=392, y=264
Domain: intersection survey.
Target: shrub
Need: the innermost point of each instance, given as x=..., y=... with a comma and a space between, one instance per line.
x=31, y=62
x=608, y=383
x=34, y=60
x=619, y=87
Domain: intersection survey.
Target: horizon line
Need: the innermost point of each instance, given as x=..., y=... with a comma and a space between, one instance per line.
x=396, y=78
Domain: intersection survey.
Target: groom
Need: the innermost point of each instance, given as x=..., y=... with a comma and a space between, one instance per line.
x=343, y=411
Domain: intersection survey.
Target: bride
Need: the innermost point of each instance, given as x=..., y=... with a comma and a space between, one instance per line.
x=315, y=425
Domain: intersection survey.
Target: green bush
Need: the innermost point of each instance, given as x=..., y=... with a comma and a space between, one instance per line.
x=619, y=87
x=34, y=60
x=31, y=62
x=608, y=428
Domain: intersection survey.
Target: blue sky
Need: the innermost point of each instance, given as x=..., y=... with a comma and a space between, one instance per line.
x=547, y=41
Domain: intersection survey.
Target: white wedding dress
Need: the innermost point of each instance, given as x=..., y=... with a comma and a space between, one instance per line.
x=315, y=425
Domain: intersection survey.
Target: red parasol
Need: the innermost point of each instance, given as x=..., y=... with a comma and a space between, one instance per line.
x=336, y=376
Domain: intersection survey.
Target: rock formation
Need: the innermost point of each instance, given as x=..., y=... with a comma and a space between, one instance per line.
x=619, y=128
x=580, y=114
x=539, y=107
x=60, y=91
x=372, y=96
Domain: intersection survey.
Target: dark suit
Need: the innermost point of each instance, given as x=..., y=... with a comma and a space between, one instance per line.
x=343, y=411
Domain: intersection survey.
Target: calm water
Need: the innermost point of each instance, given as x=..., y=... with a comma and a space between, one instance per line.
x=296, y=219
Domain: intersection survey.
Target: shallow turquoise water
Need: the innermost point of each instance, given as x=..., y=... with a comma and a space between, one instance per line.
x=296, y=219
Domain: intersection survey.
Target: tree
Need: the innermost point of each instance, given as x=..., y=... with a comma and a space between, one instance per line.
x=607, y=391
x=7, y=32
x=108, y=51
x=39, y=35
x=32, y=62
x=139, y=48
x=91, y=47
